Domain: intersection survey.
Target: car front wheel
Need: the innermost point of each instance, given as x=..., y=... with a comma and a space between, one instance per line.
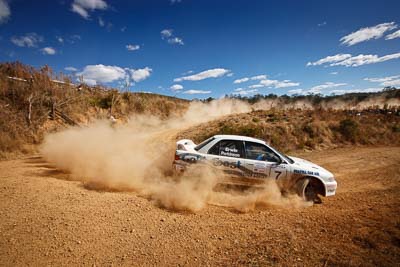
x=306, y=189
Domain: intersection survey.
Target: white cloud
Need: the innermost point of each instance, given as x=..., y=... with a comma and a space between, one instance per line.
x=91, y=82
x=365, y=90
x=195, y=92
x=139, y=75
x=295, y=92
x=322, y=24
x=28, y=40
x=70, y=69
x=102, y=74
x=60, y=39
x=353, y=61
x=176, y=87
x=274, y=84
x=82, y=7
x=330, y=59
x=365, y=60
x=386, y=81
x=81, y=11
x=166, y=33
x=241, y=91
x=382, y=79
x=187, y=72
x=327, y=85
x=101, y=22
x=94, y=74
x=256, y=86
x=212, y=73
x=316, y=89
x=131, y=47
x=242, y=80
x=259, y=77
x=175, y=40
x=74, y=38
x=48, y=51
x=394, y=35
x=169, y=36
x=254, y=78
x=279, y=84
x=368, y=33
x=395, y=83
x=5, y=11
x=334, y=73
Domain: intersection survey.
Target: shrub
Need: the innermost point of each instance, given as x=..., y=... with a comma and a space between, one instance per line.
x=396, y=128
x=309, y=130
x=349, y=129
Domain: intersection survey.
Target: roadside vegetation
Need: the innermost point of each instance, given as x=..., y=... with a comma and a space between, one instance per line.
x=307, y=129
x=36, y=101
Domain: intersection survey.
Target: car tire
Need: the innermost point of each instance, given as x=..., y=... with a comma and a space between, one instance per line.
x=307, y=191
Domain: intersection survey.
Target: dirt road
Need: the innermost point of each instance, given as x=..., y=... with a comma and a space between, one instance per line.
x=46, y=218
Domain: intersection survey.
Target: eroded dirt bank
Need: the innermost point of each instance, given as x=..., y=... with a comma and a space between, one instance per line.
x=46, y=218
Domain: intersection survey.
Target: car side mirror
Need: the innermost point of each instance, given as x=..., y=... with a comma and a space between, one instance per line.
x=279, y=162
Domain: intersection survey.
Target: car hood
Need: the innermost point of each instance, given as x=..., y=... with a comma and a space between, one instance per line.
x=309, y=166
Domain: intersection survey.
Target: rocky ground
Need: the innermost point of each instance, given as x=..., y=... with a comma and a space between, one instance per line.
x=46, y=218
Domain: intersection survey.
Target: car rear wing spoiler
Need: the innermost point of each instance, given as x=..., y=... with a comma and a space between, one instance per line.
x=186, y=145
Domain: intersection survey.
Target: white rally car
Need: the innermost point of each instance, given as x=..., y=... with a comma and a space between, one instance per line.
x=250, y=161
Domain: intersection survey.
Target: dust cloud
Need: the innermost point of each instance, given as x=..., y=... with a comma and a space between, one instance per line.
x=138, y=155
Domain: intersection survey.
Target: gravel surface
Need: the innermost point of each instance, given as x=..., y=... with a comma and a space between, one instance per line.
x=47, y=218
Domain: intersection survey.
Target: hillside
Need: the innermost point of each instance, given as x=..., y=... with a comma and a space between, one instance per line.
x=34, y=102
x=307, y=129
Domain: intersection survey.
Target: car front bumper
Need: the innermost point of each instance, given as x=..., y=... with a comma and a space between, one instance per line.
x=330, y=188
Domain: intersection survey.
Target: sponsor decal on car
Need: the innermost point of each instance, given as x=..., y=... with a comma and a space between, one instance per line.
x=230, y=152
x=259, y=168
x=306, y=172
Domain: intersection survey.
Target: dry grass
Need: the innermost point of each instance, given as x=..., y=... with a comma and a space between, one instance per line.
x=26, y=107
x=31, y=108
x=300, y=129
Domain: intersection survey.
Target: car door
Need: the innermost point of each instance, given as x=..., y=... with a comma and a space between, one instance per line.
x=263, y=162
x=228, y=156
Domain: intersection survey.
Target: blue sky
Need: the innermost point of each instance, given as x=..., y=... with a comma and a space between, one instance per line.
x=197, y=49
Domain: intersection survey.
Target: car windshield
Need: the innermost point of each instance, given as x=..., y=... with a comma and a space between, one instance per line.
x=286, y=157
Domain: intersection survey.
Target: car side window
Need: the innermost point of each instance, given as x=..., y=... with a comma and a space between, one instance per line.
x=214, y=150
x=228, y=148
x=256, y=151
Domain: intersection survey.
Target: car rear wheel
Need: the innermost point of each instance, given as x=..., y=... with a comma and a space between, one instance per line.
x=306, y=189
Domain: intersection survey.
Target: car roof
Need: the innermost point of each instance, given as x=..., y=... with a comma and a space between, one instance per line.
x=239, y=137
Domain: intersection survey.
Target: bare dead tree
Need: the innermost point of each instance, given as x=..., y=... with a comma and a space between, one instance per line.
x=30, y=103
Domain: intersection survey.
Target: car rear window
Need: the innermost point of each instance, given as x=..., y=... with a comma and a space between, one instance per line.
x=204, y=143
